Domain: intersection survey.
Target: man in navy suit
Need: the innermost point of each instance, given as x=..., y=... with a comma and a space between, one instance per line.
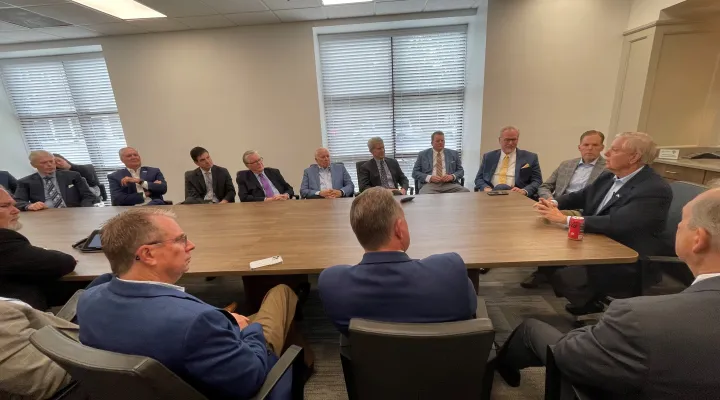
x=388, y=285
x=326, y=180
x=142, y=312
x=135, y=184
x=509, y=168
x=8, y=181
x=258, y=183
x=438, y=170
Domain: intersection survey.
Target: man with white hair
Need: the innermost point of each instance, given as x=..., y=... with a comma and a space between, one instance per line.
x=381, y=171
x=326, y=180
x=629, y=203
x=50, y=188
x=136, y=184
x=652, y=347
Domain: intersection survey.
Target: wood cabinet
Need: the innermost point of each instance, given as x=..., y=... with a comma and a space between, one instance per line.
x=687, y=174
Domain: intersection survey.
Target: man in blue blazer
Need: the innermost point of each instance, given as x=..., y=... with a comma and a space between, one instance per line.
x=8, y=181
x=136, y=184
x=142, y=312
x=438, y=170
x=509, y=168
x=326, y=180
x=388, y=285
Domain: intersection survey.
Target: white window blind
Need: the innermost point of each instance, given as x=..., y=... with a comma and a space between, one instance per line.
x=68, y=107
x=399, y=85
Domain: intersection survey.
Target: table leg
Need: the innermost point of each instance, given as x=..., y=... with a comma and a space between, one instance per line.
x=474, y=275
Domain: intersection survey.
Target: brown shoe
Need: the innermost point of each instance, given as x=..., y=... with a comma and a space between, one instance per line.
x=230, y=307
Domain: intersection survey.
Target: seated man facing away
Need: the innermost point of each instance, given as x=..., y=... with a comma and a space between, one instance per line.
x=628, y=203
x=388, y=285
x=570, y=177
x=650, y=347
x=136, y=184
x=258, y=183
x=326, y=180
x=86, y=171
x=143, y=312
x=50, y=188
x=509, y=168
x=381, y=171
x=8, y=181
x=208, y=183
x=437, y=169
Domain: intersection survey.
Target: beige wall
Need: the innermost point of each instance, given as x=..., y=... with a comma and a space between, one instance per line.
x=551, y=68
x=13, y=154
x=643, y=12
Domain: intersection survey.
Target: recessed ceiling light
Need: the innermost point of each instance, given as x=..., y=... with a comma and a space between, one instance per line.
x=125, y=9
x=335, y=2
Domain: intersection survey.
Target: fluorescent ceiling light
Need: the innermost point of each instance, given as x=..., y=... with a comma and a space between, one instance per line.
x=125, y=9
x=334, y=2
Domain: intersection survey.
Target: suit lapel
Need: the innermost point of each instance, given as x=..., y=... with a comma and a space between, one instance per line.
x=315, y=176
x=493, y=160
x=62, y=183
x=565, y=175
x=624, y=191
x=375, y=173
x=597, y=170
x=519, y=162
x=447, y=159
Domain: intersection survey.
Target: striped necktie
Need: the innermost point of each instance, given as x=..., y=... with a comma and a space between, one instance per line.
x=51, y=193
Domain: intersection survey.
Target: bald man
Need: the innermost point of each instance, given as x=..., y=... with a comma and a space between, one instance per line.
x=136, y=185
x=326, y=180
x=49, y=188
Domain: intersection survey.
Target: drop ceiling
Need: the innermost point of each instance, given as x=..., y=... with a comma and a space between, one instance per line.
x=42, y=20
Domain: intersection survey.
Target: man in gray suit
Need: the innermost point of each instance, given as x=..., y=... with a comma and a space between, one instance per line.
x=326, y=180
x=438, y=170
x=659, y=347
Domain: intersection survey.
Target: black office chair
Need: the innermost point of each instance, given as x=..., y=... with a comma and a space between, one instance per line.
x=103, y=192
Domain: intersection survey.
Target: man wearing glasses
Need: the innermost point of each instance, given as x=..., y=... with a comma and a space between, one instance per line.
x=258, y=183
x=142, y=312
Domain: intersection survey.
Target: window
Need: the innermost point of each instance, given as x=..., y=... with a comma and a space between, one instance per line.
x=400, y=85
x=67, y=106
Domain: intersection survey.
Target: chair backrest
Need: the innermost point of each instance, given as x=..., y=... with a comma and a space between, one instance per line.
x=683, y=193
x=420, y=361
x=112, y=376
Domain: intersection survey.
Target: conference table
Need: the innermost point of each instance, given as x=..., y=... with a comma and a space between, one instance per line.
x=311, y=235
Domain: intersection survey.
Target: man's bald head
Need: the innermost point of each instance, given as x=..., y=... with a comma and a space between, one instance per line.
x=697, y=241
x=322, y=157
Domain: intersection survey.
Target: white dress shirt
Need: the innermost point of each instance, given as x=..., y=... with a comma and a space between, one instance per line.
x=168, y=285
x=135, y=173
x=702, y=277
x=510, y=171
x=581, y=176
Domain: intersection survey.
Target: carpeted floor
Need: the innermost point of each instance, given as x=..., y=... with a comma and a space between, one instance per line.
x=508, y=304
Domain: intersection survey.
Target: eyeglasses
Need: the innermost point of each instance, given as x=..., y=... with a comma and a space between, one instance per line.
x=182, y=239
x=255, y=162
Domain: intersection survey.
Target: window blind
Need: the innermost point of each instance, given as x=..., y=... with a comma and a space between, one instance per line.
x=68, y=107
x=399, y=85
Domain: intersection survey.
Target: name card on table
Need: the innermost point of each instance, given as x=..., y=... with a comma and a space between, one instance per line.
x=669, y=154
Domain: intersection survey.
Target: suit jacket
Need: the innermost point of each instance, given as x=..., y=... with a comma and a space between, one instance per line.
x=424, y=166
x=8, y=181
x=26, y=372
x=87, y=172
x=195, y=188
x=635, y=216
x=390, y=286
x=369, y=175
x=558, y=182
x=340, y=180
x=652, y=347
x=73, y=189
x=250, y=188
x=528, y=178
x=200, y=343
x=25, y=270
x=128, y=196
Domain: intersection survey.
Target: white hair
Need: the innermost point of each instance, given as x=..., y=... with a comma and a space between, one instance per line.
x=248, y=154
x=374, y=141
x=509, y=128
x=640, y=143
x=37, y=153
x=706, y=215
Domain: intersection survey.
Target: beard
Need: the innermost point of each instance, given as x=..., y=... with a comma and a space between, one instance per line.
x=15, y=226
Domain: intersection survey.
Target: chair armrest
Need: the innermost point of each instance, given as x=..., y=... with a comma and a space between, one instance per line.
x=662, y=259
x=277, y=372
x=67, y=312
x=481, y=310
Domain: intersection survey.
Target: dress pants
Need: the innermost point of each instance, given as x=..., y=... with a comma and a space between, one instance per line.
x=584, y=284
x=276, y=317
x=527, y=345
x=447, y=187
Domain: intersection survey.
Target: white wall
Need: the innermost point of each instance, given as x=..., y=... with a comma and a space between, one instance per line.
x=643, y=12
x=13, y=153
x=475, y=84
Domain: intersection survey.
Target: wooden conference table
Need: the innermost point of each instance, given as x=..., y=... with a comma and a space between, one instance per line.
x=311, y=235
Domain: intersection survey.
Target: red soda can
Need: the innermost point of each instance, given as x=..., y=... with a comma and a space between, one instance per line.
x=576, y=228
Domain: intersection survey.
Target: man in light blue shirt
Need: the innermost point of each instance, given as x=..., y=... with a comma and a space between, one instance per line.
x=326, y=180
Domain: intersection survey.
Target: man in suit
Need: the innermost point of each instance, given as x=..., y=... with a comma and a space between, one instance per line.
x=136, y=184
x=142, y=312
x=8, y=181
x=652, y=347
x=388, y=285
x=326, y=180
x=509, y=168
x=381, y=171
x=569, y=177
x=208, y=183
x=437, y=169
x=49, y=188
x=258, y=183
x=86, y=171
x=629, y=203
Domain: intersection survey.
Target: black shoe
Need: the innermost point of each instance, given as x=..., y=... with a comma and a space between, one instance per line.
x=534, y=280
x=483, y=271
x=509, y=375
x=590, y=308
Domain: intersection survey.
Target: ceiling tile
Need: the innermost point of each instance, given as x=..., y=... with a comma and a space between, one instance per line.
x=439, y=5
x=208, y=21
x=399, y=7
x=118, y=28
x=28, y=19
x=236, y=6
x=28, y=35
x=301, y=14
x=254, y=18
x=22, y=3
x=350, y=10
x=73, y=14
x=69, y=32
x=159, y=24
x=4, y=26
x=179, y=8
x=290, y=4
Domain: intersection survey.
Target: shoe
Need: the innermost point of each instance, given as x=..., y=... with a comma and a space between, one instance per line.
x=534, y=280
x=509, y=375
x=484, y=271
x=590, y=308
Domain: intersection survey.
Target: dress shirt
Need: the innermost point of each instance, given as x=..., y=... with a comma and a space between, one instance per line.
x=436, y=154
x=580, y=176
x=390, y=180
x=274, y=189
x=168, y=285
x=135, y=173
x=325, y=180
x=702, y=277
x=207, y=176
x=15, y=301
x=510, y=171
x=57, y=187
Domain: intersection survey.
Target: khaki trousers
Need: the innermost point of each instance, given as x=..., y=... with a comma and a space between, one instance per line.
x=276, y=316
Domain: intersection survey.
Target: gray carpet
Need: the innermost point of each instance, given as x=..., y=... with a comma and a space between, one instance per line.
x=508, y=304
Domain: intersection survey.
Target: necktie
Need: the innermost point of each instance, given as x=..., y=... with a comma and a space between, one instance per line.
x=383, y=175
x=51, y=193
x=439, y=170
x=266, y=186
x=502, y=175
x=208, y=185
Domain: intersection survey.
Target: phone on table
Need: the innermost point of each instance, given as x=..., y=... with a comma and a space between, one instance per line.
x=407, y=199
x=497, y=193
